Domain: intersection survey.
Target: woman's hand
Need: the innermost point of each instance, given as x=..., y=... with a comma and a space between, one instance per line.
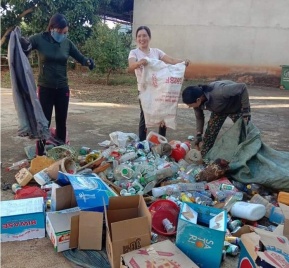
x=187, y=62
x=142, y=62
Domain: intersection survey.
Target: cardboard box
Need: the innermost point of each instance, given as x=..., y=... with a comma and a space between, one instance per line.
x=162, y=254
x=202, y=244
x=86, y=231
x=249, y=244
x=58, y=227
x=22, y=219
x=264, y=249
x=90, y=191
x=128, y=226
x=62, y=197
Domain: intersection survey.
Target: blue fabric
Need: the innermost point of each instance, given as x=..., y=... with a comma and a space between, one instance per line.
x=32, y=121
x=87, y=258
x=251, y=160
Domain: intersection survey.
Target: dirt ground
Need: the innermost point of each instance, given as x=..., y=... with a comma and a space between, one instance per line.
x=95, y=111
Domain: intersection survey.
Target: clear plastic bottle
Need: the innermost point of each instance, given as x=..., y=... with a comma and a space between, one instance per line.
x=18, y=165
x=123, y=172
x=128, y=156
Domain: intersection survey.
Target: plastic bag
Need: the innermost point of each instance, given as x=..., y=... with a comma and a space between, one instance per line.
x=160, y=90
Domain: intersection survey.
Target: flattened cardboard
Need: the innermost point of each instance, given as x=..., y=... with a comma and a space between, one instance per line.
x=90, y=230
x=162, y=254
x=86, y=231
x=128, y=226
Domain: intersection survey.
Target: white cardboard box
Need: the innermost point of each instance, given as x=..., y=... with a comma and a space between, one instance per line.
x=22, y=219
x=58, y=227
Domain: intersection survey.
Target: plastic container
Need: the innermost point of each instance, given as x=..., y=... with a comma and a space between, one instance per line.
x=164, y=209
x=180, y=151
x=123, y=172
x=248, y=211
x=156, y=138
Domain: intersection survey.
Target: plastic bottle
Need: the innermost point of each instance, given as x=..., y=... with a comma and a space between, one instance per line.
x=201, y=198
x=18, y=165
x=248, y=211
x=254, y=188
x=123, y=172
x=180, y=187
x=222, y=195
x=168, y=226
x=15, y=187
x=229, y=202
x=258, y=199
x=127, y=157
x=185, y=198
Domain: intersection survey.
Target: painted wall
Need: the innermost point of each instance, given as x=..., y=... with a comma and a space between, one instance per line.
x=242, y=35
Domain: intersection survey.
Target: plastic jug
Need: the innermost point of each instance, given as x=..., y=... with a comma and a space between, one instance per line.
x=248, y=211
x=180, y=151
x=156, y=138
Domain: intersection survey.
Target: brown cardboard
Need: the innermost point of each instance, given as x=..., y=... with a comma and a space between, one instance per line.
x=162, y=254
x=65, y=198
x=128, y=226
x=248, y=255
x=285, y=210
x=86, y=231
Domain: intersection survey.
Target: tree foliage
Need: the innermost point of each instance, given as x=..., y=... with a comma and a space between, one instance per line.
x=36, y=14
x=108, y=47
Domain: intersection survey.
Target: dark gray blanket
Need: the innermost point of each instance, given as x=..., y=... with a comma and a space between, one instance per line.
x=252, y=161
x=32, y=121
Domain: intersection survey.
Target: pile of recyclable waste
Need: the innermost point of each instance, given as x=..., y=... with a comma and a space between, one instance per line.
x=171, y=176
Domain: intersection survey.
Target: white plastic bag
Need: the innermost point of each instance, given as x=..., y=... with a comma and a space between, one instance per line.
x=160, y=90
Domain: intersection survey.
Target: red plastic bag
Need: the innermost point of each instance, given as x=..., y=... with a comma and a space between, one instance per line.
x=30, y=192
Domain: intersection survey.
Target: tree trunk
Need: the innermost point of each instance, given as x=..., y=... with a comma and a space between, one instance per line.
x=107, y=77
x=10, y=29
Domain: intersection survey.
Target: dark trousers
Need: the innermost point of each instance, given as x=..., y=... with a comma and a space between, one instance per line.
x=143, y=129
x=59, y=99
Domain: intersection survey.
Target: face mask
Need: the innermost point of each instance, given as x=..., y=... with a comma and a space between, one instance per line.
x=58, y=37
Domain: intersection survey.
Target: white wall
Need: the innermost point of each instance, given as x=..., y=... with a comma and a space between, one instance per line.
x=233, y=32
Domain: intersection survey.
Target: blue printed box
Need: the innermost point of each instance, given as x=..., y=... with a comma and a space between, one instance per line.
x=203, y=241
x=22, y=219
x=90, y=191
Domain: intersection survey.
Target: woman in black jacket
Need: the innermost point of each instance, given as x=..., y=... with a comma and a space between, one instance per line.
x=54, y=49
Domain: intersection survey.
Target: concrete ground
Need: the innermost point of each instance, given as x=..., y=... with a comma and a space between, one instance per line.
x=91, y=123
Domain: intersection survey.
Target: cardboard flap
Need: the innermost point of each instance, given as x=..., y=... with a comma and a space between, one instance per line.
x=74, y=230
x=121, y=214
x=90, y=230
x=129, y=228
x=65, y=198
x=106, y=218
x=124, y=202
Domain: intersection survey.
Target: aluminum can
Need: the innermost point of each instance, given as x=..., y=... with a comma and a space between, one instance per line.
x=154, y=237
